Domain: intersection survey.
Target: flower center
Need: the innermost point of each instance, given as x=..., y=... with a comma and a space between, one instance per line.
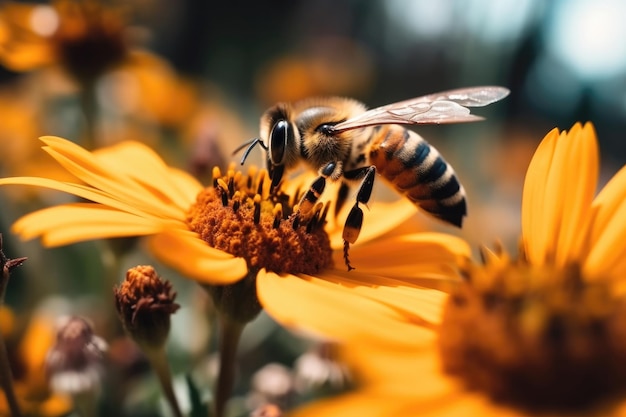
x=539, y=337
x=241, y=216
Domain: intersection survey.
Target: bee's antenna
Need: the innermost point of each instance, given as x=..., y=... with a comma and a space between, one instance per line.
x=250, y=145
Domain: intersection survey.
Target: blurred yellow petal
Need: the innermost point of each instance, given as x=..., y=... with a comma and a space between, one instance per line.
x=608, y=228
x=468, y=404
x=317, y=305
x=393, y=367
x=364, y=403
x=39, y=337
x=156, y=89
x=24, y=57
x=187, y=253
x=56, y=405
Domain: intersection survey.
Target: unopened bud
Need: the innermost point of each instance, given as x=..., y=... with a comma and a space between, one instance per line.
x=145, y=303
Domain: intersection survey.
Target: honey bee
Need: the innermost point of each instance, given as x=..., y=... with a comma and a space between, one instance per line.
x=343, y=141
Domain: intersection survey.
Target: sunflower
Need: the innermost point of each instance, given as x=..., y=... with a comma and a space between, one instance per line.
x=237, y=231
x=538, y=335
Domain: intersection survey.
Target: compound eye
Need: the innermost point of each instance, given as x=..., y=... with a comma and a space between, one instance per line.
x=280, y=135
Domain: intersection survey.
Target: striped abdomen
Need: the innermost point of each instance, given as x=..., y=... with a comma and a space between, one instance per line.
x=417, y=170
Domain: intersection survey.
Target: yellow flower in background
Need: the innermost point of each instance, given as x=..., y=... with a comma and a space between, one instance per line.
x=326, y=66
x=540, y=335
x=84, y=37
x=234, y=230
x=562, y=222
x=92, y=42
x=27, y=349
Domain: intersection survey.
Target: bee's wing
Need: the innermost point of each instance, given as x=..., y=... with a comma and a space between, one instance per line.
x=445, y=107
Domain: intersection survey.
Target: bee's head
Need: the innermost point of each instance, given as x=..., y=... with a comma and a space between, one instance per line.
x=279, y=134
x=280, y=138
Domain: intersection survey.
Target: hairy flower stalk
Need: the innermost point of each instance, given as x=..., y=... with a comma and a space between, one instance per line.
x=145, y=303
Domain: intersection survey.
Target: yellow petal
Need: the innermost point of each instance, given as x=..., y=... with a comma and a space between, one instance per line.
x=415, y=303
x=191, y=256
x=70, y=223
x=381, y=218
x=558, y=191
x=607, y=253
x=422, y=258
x=332, y=310
x=581, y=153
x=107, y=178
x=82, y=191
x=139, y=162
x=189, y=187
x=534, y=219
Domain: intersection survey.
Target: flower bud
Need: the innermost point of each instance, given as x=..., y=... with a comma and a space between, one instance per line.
x=145, y=303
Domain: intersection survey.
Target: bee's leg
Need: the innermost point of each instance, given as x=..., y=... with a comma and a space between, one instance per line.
x=354, y=221
x=331, y=170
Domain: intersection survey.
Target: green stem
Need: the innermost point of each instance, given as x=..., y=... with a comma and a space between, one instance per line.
x=158, y=360
x=89, y=105
x=230, y=333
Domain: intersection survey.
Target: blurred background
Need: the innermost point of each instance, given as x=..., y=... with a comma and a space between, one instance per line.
x=191, y=78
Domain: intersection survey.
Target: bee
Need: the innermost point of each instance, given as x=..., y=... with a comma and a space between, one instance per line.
x=343, y=141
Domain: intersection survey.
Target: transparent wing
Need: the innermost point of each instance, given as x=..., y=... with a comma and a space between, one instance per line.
x=445, y=107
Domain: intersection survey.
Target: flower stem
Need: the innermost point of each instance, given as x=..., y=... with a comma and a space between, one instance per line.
x=230, y=332
x=89, y=105
x=6, y=377
x=158, y=360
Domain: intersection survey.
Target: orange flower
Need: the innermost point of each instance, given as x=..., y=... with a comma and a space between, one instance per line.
x=88, y=40
x=541, y=335
x=83, y=36
x=237, y=229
